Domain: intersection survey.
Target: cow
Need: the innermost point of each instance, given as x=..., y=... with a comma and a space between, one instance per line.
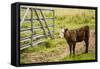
x=77, y=35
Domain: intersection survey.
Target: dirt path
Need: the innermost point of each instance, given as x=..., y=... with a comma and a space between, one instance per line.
x=59, y=53
x=47, y=56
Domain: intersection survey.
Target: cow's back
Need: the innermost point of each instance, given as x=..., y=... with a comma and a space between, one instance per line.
x=82, y=33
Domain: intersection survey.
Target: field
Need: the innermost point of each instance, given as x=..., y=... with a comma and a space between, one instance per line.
x=57, y=49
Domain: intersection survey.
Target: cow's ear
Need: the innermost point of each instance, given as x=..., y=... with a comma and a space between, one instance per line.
x=66, y=29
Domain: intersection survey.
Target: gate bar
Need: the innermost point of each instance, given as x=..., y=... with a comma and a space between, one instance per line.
x=46, y=23
x=31, y=26
x=24, y=15
x=40, y=22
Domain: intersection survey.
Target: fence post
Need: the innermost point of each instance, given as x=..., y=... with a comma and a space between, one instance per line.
x=31, y=26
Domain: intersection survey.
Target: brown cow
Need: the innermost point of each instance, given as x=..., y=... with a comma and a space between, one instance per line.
x=77, y=35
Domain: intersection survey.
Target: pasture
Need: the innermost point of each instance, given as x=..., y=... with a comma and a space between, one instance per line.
x=57, y=49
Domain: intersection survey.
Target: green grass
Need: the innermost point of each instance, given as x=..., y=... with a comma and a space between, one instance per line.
x=43, y=47
x=88, y=56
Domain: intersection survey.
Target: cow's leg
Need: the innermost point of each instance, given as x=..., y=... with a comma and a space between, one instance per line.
x=70, y=48
x=87, y=44
x=86, y=41
x=74, y=44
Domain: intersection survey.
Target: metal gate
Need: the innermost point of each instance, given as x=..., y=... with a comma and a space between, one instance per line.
x=33, y=19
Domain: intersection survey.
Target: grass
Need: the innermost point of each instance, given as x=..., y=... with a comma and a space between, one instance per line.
x=54, y=48
x=43, y=47
x=88, y=56
x=50, y=47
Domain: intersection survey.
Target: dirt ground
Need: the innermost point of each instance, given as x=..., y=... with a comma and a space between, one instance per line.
x=60, y=52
